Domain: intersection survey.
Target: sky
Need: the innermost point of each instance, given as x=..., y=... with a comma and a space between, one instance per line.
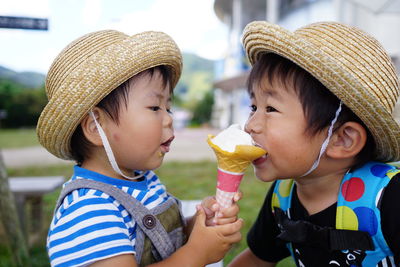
x=191, y=23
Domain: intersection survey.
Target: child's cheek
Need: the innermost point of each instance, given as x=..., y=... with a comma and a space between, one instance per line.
x=116, y=137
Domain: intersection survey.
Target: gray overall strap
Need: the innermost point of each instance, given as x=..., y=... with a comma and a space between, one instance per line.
x=158, y=236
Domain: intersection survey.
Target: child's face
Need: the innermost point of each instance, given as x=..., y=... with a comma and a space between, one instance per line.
x=144, y=132
x=277, y=123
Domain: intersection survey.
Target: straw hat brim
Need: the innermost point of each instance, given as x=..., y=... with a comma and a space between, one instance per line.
x=263, y=37
x=84, y=81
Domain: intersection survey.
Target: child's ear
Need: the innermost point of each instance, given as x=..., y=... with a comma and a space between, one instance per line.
x=89, y=128
x=347, y=141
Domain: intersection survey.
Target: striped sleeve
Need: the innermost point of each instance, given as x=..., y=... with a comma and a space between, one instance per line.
x=87, y=229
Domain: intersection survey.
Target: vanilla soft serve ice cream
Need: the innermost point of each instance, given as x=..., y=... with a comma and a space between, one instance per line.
x=232, y=136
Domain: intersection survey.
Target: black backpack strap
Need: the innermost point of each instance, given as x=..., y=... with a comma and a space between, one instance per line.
x=306, y=233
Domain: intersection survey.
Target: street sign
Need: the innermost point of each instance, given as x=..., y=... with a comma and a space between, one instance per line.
x=23, y=23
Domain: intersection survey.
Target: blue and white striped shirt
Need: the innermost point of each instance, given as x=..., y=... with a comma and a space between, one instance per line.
x=90, y=225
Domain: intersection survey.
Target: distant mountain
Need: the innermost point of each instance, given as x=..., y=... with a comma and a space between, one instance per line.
x=197, y=77
x=27, y=79
x=192, y=62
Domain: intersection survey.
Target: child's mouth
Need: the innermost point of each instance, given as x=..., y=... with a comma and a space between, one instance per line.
x=165, y=146
x=260, y=160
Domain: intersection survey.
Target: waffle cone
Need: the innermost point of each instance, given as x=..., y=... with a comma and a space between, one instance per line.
x=238, y=160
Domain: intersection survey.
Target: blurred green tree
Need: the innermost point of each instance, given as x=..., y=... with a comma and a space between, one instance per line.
x=22, y=105
x=203, y=110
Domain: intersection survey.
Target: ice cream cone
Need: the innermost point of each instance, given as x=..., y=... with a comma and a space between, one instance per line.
x=236, y=161
x=224, y=198
x=231, y=167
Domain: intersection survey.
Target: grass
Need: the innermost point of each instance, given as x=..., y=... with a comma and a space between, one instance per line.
x=185, y=180
x=18, y=138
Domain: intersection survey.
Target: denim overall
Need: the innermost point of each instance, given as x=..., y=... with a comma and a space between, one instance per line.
x=160, y=230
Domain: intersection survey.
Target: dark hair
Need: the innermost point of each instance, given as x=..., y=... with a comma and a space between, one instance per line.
x=318, y=103
x=111, y=104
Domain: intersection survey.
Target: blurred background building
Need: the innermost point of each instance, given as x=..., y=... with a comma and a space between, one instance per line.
x=380, y=18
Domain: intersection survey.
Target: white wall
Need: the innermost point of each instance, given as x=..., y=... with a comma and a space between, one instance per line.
x=383, y=25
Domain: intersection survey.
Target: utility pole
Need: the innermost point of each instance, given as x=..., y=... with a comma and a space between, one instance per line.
x=272, y=12
x=10, y=221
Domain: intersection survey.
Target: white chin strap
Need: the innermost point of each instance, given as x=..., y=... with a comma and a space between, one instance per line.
x=326, y=142
x=110, y=154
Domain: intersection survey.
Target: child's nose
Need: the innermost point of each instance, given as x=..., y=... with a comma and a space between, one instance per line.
x=253, y=124
x=168, y=121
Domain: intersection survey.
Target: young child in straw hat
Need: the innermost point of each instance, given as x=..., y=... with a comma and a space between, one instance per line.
x=322, y=102
x=109, y=110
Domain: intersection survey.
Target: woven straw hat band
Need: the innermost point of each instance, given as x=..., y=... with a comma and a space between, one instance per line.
x=90, y=68
x=349, y=62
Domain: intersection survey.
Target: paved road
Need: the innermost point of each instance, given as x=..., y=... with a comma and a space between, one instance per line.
x=189, y=145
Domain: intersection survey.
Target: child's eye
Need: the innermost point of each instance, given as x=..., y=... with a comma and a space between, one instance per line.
x=270, y=109
x=155, y=108
x=169, y=111
x=253, y=108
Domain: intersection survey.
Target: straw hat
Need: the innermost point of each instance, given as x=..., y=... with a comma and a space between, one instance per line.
x=350, y=63
x=91, y=67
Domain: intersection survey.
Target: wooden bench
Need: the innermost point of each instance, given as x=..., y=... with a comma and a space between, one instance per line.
x=29, y=192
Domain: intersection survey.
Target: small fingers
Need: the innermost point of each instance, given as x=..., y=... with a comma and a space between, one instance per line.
x=231, y=228
x=238, y=196
x=215, y=207
x=209, y=213
x=234, y=238
x=210, y=206
x=200, y=216
x=220, y=221
x=231, y=211
x=208, y=201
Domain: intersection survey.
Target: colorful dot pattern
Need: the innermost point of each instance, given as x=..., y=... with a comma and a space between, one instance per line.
x=354, y=196
x=357, y=204
x=282, y=197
